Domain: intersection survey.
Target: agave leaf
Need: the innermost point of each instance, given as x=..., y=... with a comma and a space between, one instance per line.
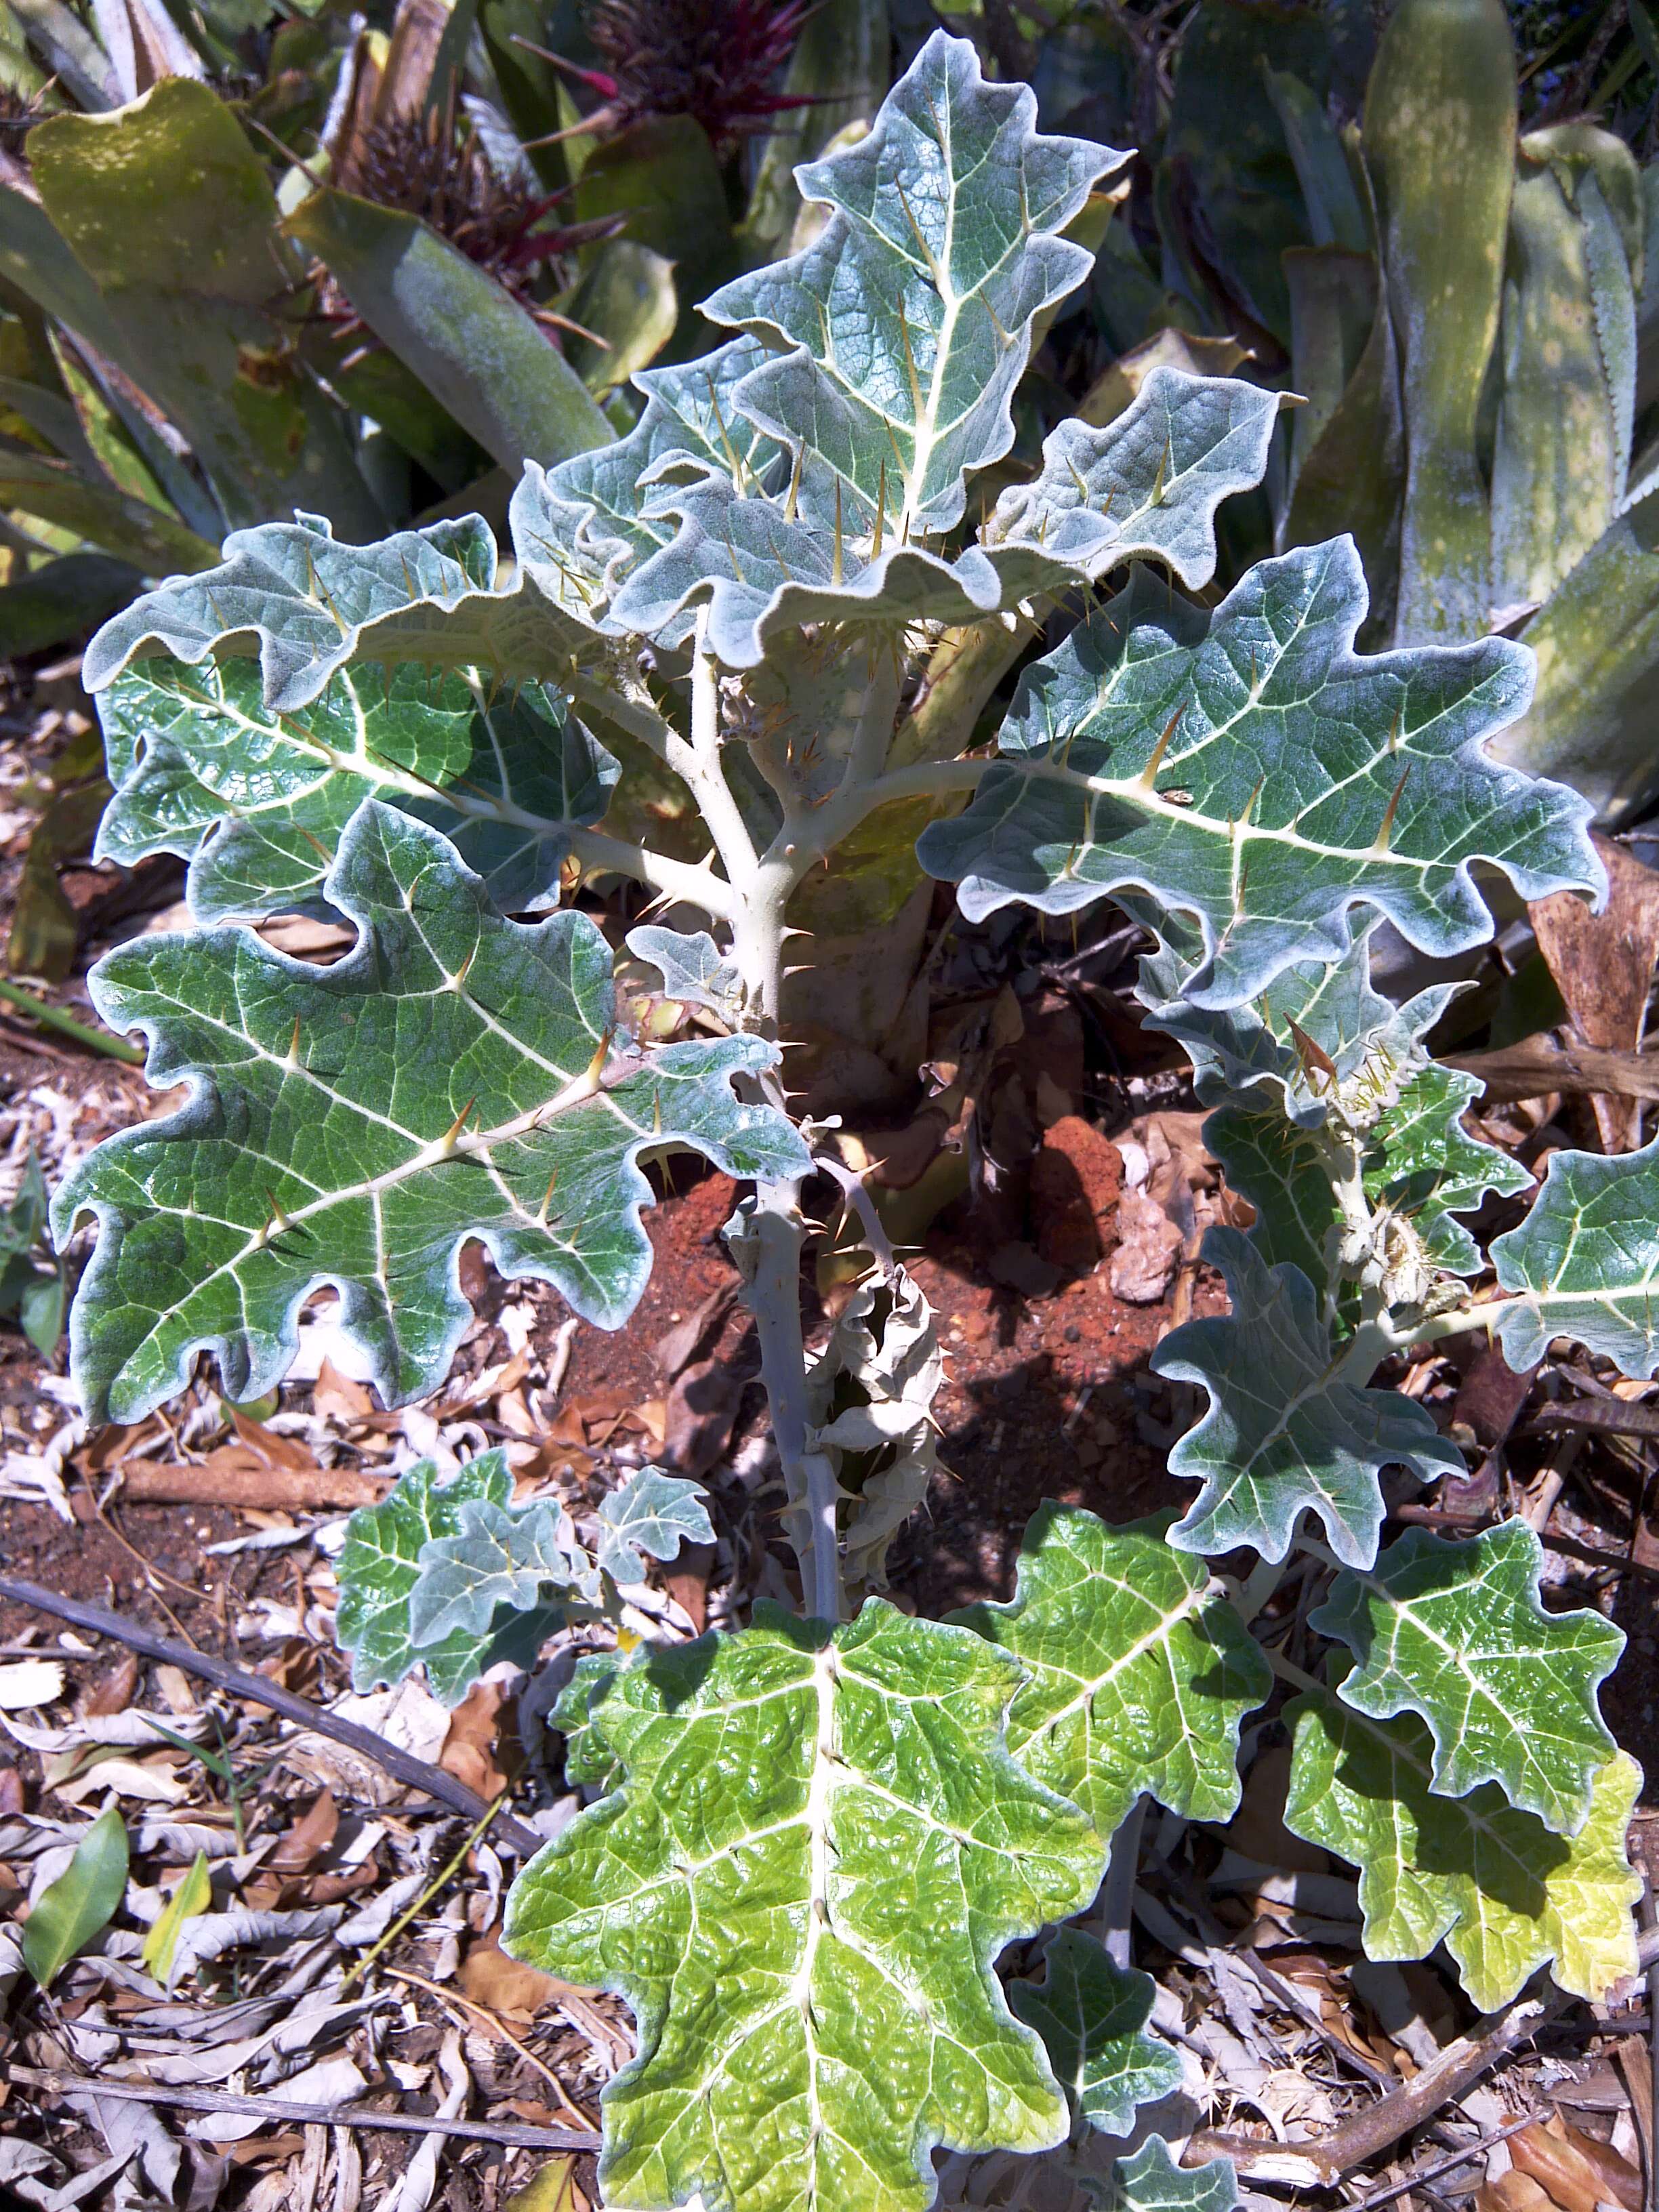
x=1455, y=1633
x=1333, y=310
x=651, y=1512
x=256, y=799
x=1287, y=1432
x=451, y=1078
x=312, y=605
x=627, y=299
x=170, y=211
x=840, y=68
x=1151, y=2181
x=1585, y=1262
x=379, y=1570
x=1139, y=1673
x=57, y=600
x=1505, y=1893
x=1248, y=767
x=472, y=344
x=1092, y=2017
x=819, y=1849
x=1439, y=138
x=663, y=175
x=94, y=508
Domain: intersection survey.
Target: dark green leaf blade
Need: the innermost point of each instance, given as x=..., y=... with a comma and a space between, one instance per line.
x=1092, y=2016
x=84, y=1899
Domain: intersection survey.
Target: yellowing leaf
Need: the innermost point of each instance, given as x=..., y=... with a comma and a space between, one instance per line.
x=193, y=1896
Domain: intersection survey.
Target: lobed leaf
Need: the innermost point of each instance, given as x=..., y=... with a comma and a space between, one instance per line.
x=1139, y=1672
x=1248, y=767
x=1491, y=1881
x=820, y=1848
x=1585, y=1262
x=651, y=1512
x=1455, y=1633
x=257, y=799
x=1287, y=1431
x=1152, y=2181
x=307, y=602
x=1091, y=2015
x=454, y=1077
x=380, y=1569
x=694, y=970
x=499, y=1557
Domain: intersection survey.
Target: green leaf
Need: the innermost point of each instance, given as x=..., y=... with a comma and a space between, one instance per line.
x=85, y=1898
x=1505, y=1893
x=1091, y=2016
x=170, y=211
x=651, y=1512
x=1439, y=140
x=693, y=968
x=1287, y=1431
x=1137, y=1672
x=60, y=598
x=588, y=1760
x=820, y=1849
x=379, y=1569
x=1151, y=2181
x=192, y=1897
x=257, y=798
x=627, y=299
x=454, y=1077
x=840, y=63
x=472, y=344
x=1248, y=767
x=499, y=1557
x=904, y=327
x=94, y=508
x=311, y=604
x=1585, y=1262
x=1455, y=1633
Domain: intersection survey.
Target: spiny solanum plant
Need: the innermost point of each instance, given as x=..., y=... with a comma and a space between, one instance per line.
x=811, y=1838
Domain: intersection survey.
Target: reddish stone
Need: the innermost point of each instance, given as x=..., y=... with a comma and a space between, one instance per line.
x=1076, y=1181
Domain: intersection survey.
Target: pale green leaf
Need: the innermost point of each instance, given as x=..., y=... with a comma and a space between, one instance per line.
x=499, y=1557
x=1092, y=2016
x=308, y=604
x=820, y=1849
x=1585, y=1262
x=1250, y=768
x=1455, y=1633
x=192, y=1897
x=694, y=970
x=651, y=1513
x=456, y=1076
x=1137, y=1672
x=380, y=1569
x=1150, y=2181
x=257, y=798
x=1287, y=1431
x=85, y=1898
x=1505, y=1893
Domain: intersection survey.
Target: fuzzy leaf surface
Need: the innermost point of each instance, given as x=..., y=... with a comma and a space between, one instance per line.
x=500, y=1559
x=1285, y=1432
x=1240, y=765
x=1585, y=1262
x=1455, y=1633
x=651, y=1512
x=258, y=799
x=693, y=968
x=380, y=1569
x=1506, y=1894
x=310, y=604
x=1151, y=2181
x=1092, y=2017
x=355, y=1125
x=819, y=1849
x=1138, y=1675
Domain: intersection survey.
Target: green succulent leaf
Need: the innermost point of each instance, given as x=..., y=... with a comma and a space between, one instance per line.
x=257, y=798
x=452, y=1078
x=311, y=604
x=1455, y=1633
x=903, y=329
x=1585, y=1262
x=1092, y=2016
x=1250, y=768
x=820, y=1847
x=1139, y=1673
x=1505, y=1893
x=380, y=1569
x=1151, y=2181
x=651, y=1513
x=1287, y=1431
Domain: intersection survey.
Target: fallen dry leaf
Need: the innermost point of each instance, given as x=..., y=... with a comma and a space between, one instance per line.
x=113, y=1692
x=503, y=1986
x=1603, y=964
x=473, y=1749
x=1578, y=2172
x=309, y=1838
